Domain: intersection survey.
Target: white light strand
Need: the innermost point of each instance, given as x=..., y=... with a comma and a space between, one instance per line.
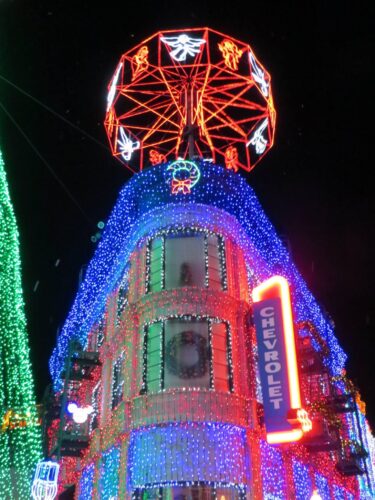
x=112, y=90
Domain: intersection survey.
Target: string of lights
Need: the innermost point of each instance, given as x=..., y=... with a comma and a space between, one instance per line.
x=20, y=437
x=221, y=375
x=218, y=188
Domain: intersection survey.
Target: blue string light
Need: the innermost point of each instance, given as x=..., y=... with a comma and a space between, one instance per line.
x=86, y=483
x=273, y=472
x=322, y=485
x=148, y=192
x=109, y=474
x=188, y=453
x=302, y=481
x=338, y=493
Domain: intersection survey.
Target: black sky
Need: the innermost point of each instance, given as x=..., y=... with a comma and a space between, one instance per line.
x=316, y=184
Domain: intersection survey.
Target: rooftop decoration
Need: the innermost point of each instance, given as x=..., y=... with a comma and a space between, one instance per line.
x=187, y=94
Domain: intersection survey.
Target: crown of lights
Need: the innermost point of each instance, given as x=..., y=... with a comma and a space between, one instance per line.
x=190, y=93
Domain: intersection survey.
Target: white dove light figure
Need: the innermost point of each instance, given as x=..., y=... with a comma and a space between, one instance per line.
x=183, y=45
x=258, y=140
x=126, y=145
x=80, y=415
x=258, y=75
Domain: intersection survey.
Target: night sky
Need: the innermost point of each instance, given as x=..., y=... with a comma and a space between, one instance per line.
x=316, y=184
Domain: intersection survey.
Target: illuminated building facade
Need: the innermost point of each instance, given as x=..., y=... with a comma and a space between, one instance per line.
x=195, y=363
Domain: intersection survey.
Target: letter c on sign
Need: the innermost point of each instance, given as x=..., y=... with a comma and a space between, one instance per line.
x=266, y=312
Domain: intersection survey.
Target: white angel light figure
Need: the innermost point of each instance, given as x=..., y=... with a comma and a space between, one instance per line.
x=258, y=75
x=182, y=46
x=258, y=140
x=126, y=145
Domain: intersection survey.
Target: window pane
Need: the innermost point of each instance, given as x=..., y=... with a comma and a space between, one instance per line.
x=186, y=354
x=94, y=422
x=214, y=263
x=220, y=357
x=153, y=357
x=184, y=261
x=122, y=300
x=117, y=381
x=156, y=254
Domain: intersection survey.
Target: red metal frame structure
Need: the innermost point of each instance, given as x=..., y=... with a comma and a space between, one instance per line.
x=190, y=93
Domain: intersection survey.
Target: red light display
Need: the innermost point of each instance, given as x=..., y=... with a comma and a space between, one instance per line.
x=191, y=93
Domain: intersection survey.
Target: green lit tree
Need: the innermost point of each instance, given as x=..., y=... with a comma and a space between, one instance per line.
x=20, y=436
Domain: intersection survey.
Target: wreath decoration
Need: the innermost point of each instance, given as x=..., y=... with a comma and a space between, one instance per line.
x=180, y=367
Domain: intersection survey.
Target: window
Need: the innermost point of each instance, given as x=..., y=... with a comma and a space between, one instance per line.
x=221, y=357
x=122, y=299
x=187, y=352
x=117, y=381
x=184, y=261
x=186, y=258
x=186, y=347
x=156, y=259
x=100, y=333
x=214, y=247
x=97, y=337
x=94, y=422
x=152, y=357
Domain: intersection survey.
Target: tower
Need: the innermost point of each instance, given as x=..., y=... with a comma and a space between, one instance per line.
x=170, y=349
x=20, y=440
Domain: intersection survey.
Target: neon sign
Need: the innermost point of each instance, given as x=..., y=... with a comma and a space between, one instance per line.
x=183, y=175
x=182, y=46
x=285, y=420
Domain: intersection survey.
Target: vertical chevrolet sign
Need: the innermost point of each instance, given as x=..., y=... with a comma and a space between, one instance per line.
x=277, y=359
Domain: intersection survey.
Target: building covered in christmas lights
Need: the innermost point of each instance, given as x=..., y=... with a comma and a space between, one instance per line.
x=195, y=363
